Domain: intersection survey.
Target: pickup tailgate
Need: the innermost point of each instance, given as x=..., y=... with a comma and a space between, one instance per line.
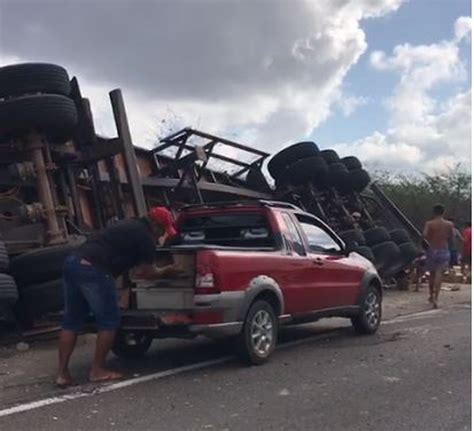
x=173, y=292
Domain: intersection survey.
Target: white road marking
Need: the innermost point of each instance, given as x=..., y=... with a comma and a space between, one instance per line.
x=110, y=387
x=413, y=316
x=173, y=371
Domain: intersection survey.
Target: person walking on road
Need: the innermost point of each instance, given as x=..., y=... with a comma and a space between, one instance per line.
x=439, y=233
x=466, y=249
x=89, y=284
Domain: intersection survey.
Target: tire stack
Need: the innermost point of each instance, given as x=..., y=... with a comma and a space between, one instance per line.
x=408, y=250
x=298, y=165
x=35, y=97
x=303, y=163
x=8, y=289
x=38, y=275
x=355, y=241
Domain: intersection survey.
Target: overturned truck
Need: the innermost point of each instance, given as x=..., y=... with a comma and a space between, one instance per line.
x=59, y=181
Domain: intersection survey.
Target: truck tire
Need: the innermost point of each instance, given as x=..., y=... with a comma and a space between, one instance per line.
x=370, y=315
x=359, y=179
x=330, y=156
x=30, y=78
x=257, y=181
x=353, y=235
x=309, y=170
x=37, y=300
x=53, y=115
x=387, y=258
x=291, y=154
x=38, y=266
x=366, y=252
x=399, y=236
x=8, y=290
x=259, y=334
x=351, y=163
x=4, y=261
x=338, y=177
x=376, y=235
x=408, y=252
x=131, y=345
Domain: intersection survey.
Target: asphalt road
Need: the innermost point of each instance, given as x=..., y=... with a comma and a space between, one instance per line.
x=414, y=374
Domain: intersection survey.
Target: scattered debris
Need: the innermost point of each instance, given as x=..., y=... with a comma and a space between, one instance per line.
x=22, y=346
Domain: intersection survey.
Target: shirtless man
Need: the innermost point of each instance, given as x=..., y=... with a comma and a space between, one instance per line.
x=438, y=232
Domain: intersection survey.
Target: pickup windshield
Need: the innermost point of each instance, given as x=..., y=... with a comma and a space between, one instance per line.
x=248, y=230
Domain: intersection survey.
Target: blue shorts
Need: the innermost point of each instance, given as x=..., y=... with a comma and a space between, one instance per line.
x=88, y=290
x=437, y=259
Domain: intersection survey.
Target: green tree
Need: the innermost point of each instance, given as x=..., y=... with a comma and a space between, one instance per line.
x=417, y=194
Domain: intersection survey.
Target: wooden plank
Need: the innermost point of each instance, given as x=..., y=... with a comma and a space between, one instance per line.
x=125, y=137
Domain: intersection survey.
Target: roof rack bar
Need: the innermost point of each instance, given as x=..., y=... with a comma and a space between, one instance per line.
x=246, y=202
x=231, y=143
x=212, y=155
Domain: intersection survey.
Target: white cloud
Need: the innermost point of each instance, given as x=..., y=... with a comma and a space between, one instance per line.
x=348, y=104
x=462, y=27
x=423, y=133
x=270, y=71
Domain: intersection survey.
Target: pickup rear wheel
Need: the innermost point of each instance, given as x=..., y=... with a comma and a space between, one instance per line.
x=131, y=345
x=258, y=338
x=370, y=314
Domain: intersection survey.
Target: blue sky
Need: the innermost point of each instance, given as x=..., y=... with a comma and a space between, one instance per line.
x=415, y=22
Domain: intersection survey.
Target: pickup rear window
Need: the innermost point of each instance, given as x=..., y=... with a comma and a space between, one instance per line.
x=233, y=230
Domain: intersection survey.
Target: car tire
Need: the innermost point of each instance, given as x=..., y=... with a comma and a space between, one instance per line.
x=399, y=236
x=351, y=236
x=330, y=156
x=359, y=179
x=352, y=163
x=370, y=314
x=36, y=300
x=310, y=170
x=366, y=252
x=387, y=258
x=290, y=155
x=259, y=334
x=53, y=115
x=31, y=78
x=376, y=235
x=41, y=265
x=131, y=345
x=4, y=260
x=8, y=290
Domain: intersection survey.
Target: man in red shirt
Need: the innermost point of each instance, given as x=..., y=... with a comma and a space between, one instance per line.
x=466, y=249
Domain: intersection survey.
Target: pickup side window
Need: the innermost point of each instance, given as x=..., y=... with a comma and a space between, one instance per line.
x=232, y=230
x=319, y=241
x=293, y=235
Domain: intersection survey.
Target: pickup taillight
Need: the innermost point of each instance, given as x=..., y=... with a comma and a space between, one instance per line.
x=205, y=280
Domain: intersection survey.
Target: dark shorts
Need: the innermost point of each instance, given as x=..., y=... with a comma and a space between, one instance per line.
x=437, y=259
x=88, y=290
x=453, y=257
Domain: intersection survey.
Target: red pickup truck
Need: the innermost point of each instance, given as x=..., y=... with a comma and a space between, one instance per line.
x=246, y=269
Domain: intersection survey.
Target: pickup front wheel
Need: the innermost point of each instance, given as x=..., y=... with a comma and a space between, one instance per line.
x=370, y=313
x=258, y=338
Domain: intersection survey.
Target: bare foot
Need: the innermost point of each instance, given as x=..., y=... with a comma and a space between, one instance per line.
x=103, y=375
x=64, y=380
x=435, y=304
